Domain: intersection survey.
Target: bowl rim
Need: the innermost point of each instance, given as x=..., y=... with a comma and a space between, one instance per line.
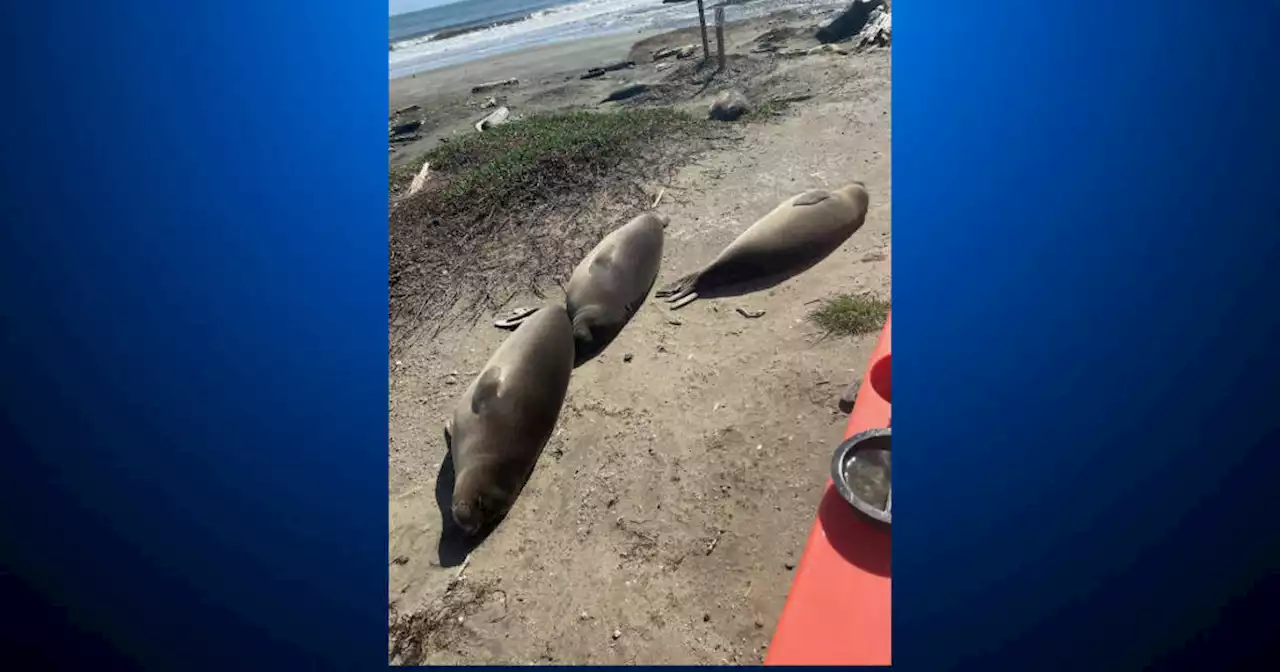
x=838, y=459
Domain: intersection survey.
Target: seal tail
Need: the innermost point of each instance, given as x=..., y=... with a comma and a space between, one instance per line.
x=681, y=289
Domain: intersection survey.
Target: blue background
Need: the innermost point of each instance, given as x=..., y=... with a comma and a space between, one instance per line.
x=194, y=320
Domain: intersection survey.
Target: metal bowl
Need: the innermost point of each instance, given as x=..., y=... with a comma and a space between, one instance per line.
x=864, y=454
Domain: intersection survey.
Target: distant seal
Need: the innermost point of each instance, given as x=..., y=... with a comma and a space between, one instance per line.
x=612, y=282
x=802, y=231
x=506, y=416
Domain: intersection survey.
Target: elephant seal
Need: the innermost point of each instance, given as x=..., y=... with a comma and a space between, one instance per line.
x=504, y=419
x=612, y=282
x=802, y=231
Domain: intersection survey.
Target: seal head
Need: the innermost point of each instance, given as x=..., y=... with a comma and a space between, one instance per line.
x=477, y=502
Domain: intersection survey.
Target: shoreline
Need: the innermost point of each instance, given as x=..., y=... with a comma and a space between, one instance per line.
x=660, y=17
x=549, y=47
x=550, y=76
x=547, y=58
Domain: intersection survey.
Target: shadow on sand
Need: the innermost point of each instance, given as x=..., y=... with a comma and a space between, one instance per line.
x=600, y=341
x=737, y=282
x=455, y=544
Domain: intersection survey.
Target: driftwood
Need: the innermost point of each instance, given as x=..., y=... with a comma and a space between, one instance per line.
x=488, y=86
x=598, y=72
x=406, y=127
x=419, y=180
x=498, y=116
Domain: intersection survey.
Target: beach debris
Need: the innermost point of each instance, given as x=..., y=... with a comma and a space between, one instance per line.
x=775, y=35
x=658, y=200
x=792, y=53
x=513, y=319
x=849, y=23
x=675, y=2
x=419, y=180
x=728, y=106
x=406, y=127
x=687, y=51
x=874, y=256
x=663, y=66
x=489, y=86
x=491, y=102
x=406, y=109
x=828, y=49
x=629, y=91
x=711, y=546
x=599, y=72
x=750, y=314
x=665, y=52
x=498, y=116
x=878, y=30
x=792, y=98
x=617, y=634
x=628, y=357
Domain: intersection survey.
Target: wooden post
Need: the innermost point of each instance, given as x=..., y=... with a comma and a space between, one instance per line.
x=720, y=35
x=702, y=22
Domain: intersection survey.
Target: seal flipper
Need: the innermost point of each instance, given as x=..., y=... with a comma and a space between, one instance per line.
x=582, y=321
x=680, y=288
x=811, y=197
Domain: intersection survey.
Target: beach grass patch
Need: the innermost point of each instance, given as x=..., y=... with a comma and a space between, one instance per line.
x=851, y=314
x=767, y=111
x=542, y=156
x=519, y=204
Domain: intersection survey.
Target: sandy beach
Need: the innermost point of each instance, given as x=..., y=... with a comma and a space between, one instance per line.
x=668, y=511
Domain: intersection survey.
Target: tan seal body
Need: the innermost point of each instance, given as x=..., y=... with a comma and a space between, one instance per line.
x=505, y=417
x=612, y=282
x=802, y=231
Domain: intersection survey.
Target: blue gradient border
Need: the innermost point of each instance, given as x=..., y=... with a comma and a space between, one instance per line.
x=194, y=315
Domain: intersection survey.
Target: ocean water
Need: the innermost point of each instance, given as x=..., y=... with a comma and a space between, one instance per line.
x=471, y=29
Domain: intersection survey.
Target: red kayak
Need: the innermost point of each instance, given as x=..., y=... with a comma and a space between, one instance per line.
x=839, y=609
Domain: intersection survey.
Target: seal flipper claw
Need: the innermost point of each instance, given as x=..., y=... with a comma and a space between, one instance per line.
x=684, y=301
x=678, y=289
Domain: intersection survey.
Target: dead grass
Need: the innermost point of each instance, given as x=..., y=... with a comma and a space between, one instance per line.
x=438, y=626
x=517, y=206
x=851, y=314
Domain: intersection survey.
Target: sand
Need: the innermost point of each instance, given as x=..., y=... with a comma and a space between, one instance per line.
x=665, y=516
